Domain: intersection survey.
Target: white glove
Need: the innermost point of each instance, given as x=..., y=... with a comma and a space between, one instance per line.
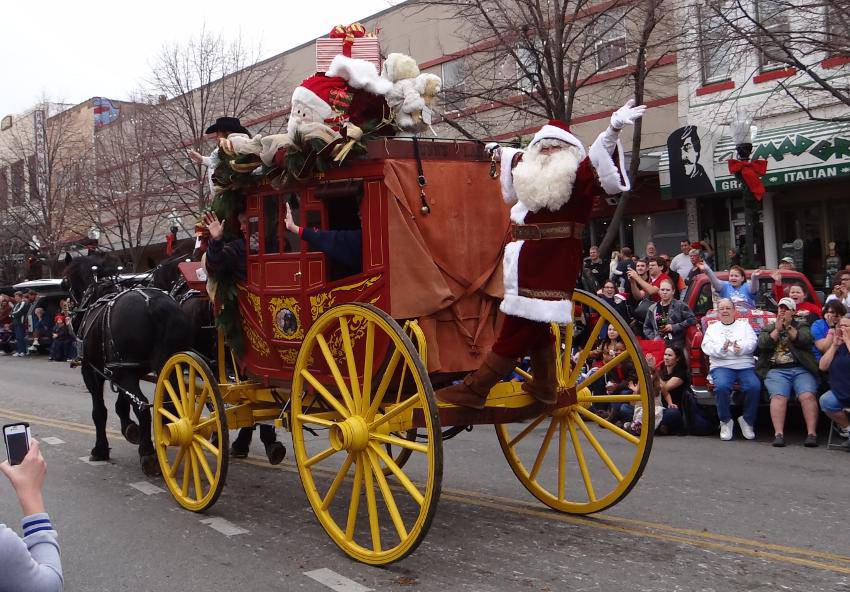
x=493, y=149
x=627, y=114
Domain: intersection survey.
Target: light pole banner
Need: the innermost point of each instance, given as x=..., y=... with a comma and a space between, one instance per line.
x=40, y=131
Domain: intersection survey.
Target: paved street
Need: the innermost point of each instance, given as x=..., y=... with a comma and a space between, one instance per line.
x=707, y=515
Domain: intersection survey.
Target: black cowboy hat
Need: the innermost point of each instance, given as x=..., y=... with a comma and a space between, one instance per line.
x=230, y=125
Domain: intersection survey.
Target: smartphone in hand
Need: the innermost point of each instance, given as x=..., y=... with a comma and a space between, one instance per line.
x=17, y=438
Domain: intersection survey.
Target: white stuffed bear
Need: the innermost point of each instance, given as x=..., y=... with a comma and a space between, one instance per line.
x=412, y=94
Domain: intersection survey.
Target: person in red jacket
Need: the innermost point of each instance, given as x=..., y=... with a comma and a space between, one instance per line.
x=551, y=187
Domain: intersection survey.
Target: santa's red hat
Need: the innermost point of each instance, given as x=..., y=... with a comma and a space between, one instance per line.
x=558, y=130
x=320, y=92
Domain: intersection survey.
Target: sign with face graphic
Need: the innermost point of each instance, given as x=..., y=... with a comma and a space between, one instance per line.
x=691, y=170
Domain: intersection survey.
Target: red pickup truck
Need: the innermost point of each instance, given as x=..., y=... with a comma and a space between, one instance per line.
x=701, y=299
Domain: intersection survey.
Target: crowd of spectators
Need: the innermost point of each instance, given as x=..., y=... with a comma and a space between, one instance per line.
x=27, y=329
x=802, y=356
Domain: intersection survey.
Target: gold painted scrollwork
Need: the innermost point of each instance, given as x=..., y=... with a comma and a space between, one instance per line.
x=323, y=301
x=257, y=343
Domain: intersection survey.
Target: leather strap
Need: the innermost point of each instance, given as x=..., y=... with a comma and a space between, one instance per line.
x=546, y=230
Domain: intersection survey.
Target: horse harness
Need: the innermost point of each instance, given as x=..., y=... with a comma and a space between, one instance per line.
x=99, y=313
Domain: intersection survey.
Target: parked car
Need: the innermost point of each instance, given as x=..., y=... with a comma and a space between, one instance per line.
x=702, y=300
x=49, y=292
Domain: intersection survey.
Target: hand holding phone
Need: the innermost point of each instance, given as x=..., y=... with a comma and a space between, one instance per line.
x=17, y=438
x=27, y=478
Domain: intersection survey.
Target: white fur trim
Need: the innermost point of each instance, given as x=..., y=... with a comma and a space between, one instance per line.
x=359, y=74
x=313, y=101
x=551, y=132
x=518, y=213
x=506, y=176
x=608, y=171
x=534, y=309
x=510, y=267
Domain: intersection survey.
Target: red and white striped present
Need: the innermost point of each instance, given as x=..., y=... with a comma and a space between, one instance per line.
x=351, y=41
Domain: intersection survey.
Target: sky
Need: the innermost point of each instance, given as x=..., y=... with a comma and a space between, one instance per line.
x=68, y=51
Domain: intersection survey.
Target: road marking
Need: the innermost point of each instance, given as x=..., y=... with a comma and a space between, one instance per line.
x=147, y=488
x=638, y=528
x=52, y=440
x=223, y=526
x=334, y=581
x=94, y=463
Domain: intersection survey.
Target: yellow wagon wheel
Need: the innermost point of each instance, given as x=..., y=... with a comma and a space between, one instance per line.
x=369, y=404
x=573, y=459
x=190, y=431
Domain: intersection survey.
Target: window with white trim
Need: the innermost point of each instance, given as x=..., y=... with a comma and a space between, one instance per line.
x=714, y=45
x=773, y=16
x=452, y=75
x=528, y=66
x=610, y=49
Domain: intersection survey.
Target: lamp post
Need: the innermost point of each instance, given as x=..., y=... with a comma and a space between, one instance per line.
x=748, y=174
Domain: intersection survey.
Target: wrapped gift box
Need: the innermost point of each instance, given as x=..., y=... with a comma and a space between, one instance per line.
x=363, y=48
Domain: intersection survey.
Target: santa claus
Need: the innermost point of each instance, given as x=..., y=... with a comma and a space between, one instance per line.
x=551, y=186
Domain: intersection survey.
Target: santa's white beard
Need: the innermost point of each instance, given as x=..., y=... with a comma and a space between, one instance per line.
x=546, y=180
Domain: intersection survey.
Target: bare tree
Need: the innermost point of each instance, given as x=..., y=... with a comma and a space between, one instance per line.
x=194, y=83
x=129, y=203
x=806, y=35
x=532, y=60
x=43, y=213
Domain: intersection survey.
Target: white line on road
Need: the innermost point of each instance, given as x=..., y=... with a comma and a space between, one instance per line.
x=94, y=463
x=334, y=581
x=147, y=488
x=52, y=440
x=223, y=526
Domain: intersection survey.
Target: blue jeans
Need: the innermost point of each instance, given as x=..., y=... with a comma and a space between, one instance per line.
x=20, y=338
x=750, y=384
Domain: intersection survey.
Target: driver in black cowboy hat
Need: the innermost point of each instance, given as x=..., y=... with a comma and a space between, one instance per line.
x=222, y=128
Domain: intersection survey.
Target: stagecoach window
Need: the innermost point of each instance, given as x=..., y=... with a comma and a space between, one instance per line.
x=271, y=224
x=253, y=235
x=293, y=241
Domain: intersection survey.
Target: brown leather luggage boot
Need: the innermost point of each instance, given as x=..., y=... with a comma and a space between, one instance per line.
x=472, y=392
x=544, y=383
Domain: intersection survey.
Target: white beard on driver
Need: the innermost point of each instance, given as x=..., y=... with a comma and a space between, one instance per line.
x=546, y=180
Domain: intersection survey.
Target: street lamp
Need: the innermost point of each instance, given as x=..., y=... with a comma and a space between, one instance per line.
x=748, y=173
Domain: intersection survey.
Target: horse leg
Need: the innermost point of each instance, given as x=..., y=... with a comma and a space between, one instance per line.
x=147, y=453
x=129, y=428
x=94, y=384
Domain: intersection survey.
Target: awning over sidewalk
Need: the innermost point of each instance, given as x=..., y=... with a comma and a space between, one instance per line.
x=795, y=154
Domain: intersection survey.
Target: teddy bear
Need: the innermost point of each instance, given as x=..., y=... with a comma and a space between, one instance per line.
x=411, y=97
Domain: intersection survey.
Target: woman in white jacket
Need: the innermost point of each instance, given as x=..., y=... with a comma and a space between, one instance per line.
x=729, y=345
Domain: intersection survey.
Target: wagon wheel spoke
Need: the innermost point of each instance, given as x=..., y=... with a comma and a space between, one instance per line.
x=326, y=453
x=181, y=453
x=633, y=398
x=340, y=477
x=598, y=447
x=354, y=504
x=199, y=454
x=334, y=368
x=371, y=504
x=192, y=386
x=356, y=398
x=382, y=386
x=325, y=394
x=206, y=444
x=199, y=408
x=400, y=442
x=211, y=420
x=582, y=464
x=562, y=457
x=568, y=352
x=585, y=351
x=196, y=474
x=601, y=371
x=312, y=419
x=387, y=493
x=544, y=448
x=175, y=399
x=399, y=474
x=368, y=361
x=396, y=410
x=167, y=415
x=187, y=470
x=181, y=386
x=607, y=424
x=527, y=430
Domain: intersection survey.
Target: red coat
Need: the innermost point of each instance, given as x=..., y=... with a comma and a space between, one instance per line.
x=540, y=275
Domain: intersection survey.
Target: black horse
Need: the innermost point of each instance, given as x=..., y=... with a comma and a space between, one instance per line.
x=126, y=333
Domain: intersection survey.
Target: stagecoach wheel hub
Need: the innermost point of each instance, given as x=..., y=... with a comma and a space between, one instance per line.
x=351, y=434
x=179, y=433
